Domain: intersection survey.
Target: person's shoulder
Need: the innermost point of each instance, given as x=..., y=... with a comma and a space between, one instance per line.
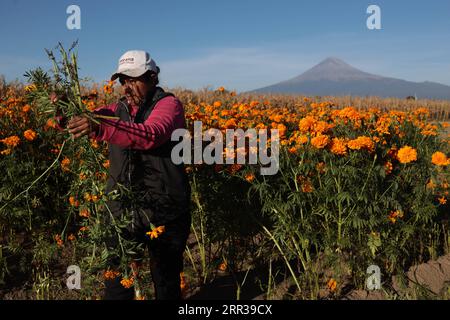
x=172, y=100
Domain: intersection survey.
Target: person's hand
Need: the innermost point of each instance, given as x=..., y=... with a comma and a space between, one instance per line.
x=80, y=126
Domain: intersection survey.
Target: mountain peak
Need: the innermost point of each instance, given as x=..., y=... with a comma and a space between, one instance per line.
x=334, y=69
x=333, y=61
x=333, y=76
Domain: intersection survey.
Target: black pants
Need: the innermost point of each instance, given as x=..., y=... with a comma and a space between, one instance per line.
x=166, y=261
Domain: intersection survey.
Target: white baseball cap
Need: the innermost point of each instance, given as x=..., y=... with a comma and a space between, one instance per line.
x=135, y=63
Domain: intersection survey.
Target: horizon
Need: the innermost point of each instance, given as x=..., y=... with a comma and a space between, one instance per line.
x=241, y=46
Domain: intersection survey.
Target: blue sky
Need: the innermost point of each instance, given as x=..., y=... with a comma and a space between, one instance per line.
x=239, y=44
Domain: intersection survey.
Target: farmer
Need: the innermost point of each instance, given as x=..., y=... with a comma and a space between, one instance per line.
x=140, y=159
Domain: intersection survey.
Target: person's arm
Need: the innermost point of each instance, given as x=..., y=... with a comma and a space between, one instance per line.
x=81, y=125
x=167, y=115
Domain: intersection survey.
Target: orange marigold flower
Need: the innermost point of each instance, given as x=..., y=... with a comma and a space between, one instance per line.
x=59, y=241
x=30, y=135
x=431, y=184
x=65, y=164
x=51, y=123
x=105, y=164
x=320, y=167
x=6, y=152
x=87, y=197
x=73, y=202
x=155, y=232
x=12, y=141
x=127, y=282
x=26, y=108
x=182, y=281
x=332, y=284
x=94, y=144
x=84, y=213
x=440, y=159
x=250, y=177
x=320, y=141
x=338, y=147
x=407, y=154
x=442, y=200
x=254, y=103
x=71, y=237
x=221, y=89
x=394, y=215
x=361, y=142
x=388, y=167
x=111, y=274
x=217, y=104
x=307, y=124
x=223, y=266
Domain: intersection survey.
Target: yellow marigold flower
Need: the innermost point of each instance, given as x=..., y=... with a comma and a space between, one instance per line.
x=440, y=159
x=127, y=283
x=320, y=141
x=407, y=154
x=332, y=284
x=442, y=200
x=31, y=87
x=87, y=197
x=155, y=233
x=12, y=141
x=338, y=147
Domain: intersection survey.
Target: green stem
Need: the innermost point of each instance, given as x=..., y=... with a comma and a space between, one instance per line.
x=39, y=178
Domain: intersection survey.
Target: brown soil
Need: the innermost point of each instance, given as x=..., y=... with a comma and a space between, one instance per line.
x=429, y=280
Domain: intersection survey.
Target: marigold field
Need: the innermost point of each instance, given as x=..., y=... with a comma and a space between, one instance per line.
x=361, y=181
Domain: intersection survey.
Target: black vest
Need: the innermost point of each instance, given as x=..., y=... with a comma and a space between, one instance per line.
x=153, y=182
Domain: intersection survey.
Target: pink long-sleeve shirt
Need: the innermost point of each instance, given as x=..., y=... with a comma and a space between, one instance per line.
x=166, y=116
